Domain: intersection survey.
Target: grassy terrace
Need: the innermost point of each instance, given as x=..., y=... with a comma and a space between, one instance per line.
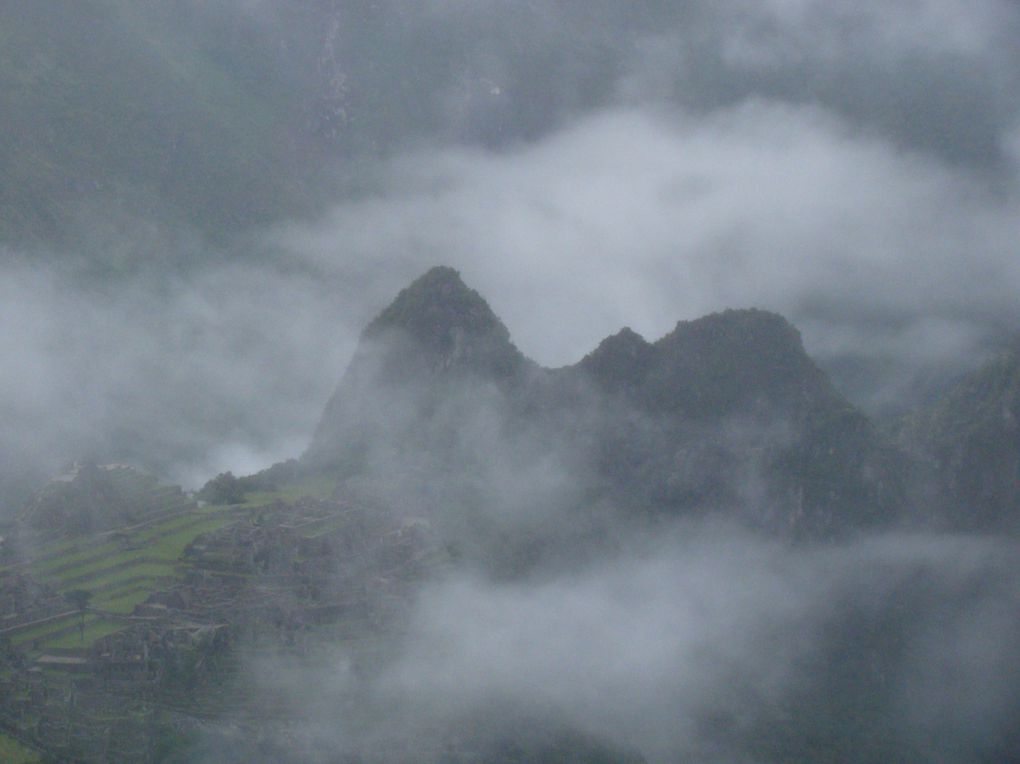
x=155, y=545
x=143, y=571
x=122, y=601
x=13, y=752
x=55, y=559
x=121, y=569
x=94, y=629
x=316, y=487
x=67, y=633
x=26, y=636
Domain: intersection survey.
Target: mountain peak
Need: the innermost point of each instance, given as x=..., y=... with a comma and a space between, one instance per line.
x=435, y=331
x=728, y=360
x=665, y=424
x=620, y=361
x=438, y=319
x=433, y=305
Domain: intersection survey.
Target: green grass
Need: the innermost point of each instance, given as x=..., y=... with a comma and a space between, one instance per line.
x=52, y=562
x=98, y=567
x=93, y=630
x=173, y=545
x=147, y=555
x=113, y=592
x=161, y=543
x=24, y=637
x=13, y=752
x=59, y=553
x=319, y=487
x=95, y=627
x=157, y=551
x=123, y=603
x=172, y=524
x=148, y=570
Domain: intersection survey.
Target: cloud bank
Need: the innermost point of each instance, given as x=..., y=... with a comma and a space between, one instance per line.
x=706, y=644
x=586, y=166
x=643, y=217
x=227, y=367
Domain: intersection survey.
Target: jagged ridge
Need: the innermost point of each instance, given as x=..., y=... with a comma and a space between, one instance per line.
x=675, y=425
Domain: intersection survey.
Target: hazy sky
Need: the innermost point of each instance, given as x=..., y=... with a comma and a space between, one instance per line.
x=587, y=165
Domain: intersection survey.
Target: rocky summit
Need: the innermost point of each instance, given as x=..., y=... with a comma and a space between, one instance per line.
x=436, y=334
x=726, y=413
x=444, y=325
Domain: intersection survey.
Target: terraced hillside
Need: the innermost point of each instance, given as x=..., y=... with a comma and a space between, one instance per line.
x=121, y=644
x=118, y=568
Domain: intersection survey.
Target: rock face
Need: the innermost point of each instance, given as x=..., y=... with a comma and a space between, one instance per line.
x=967, y=449
x=442, y=325
x=436, y=338
x=736, y=414
x=725, y=413
x=725, y=363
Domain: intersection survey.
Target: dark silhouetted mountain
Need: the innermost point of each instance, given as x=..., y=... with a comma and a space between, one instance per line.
x=725, y=413
x=726, y=363
x=735, y=413
x=967, y=449
x=442, y=325
x=437, y=338
x=621, y=362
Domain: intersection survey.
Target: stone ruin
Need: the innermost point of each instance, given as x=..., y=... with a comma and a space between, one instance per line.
x=285, y=577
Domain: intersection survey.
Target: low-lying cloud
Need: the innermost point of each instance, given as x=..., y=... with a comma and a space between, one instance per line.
x=227, y=367
x=638, y=217
x=707, y=644
x=894, y=266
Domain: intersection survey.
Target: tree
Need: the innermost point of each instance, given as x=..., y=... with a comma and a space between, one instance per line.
x=223, y=489
x=80, y=599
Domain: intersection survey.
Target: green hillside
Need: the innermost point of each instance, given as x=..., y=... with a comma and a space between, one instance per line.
x=12, y=752
x=126, y=562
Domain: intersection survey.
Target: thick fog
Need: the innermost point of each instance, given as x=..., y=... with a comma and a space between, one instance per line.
x=586, y=165
x=667, y=640
x=222, y=368
x=884, y=259
x=643, y=217
x=706, y=645
x=853, y=166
